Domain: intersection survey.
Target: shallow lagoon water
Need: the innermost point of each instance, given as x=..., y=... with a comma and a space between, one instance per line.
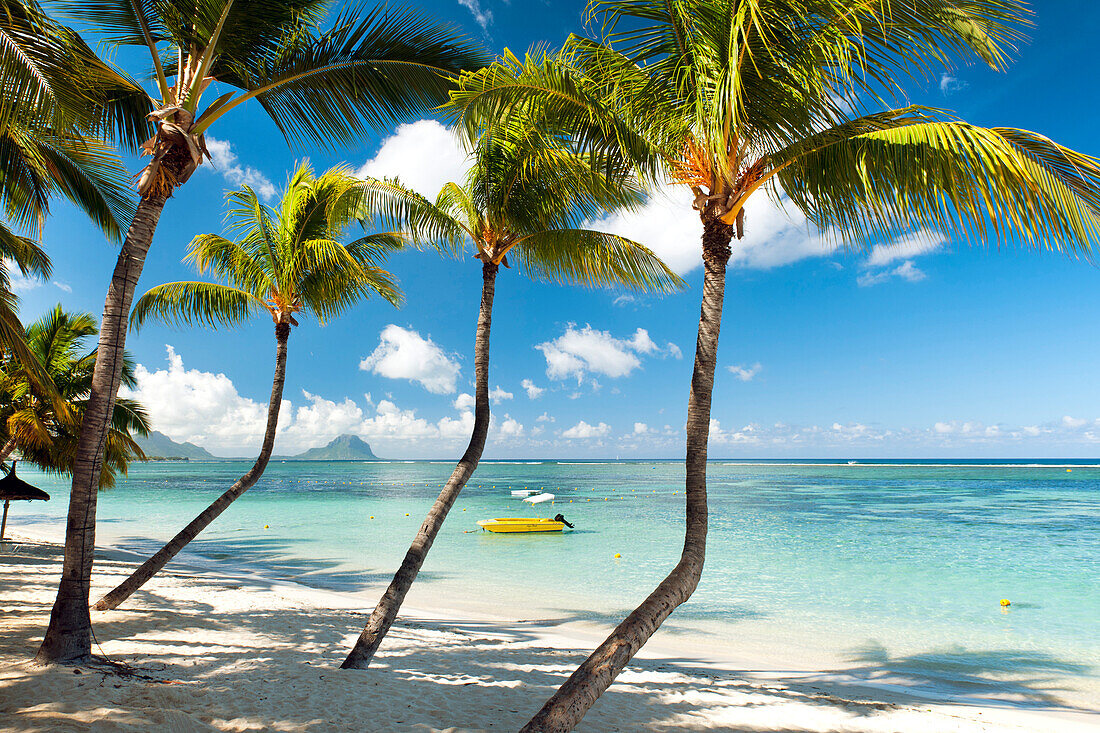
x=873, y=569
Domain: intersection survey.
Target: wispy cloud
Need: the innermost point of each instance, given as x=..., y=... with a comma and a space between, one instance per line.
x=906, y=247
x=483, y=17
x=951, y=84
x=905, y=271
x=226, y=162
x=745, y=373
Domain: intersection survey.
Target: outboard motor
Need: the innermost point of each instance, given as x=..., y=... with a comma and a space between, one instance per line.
x=560, y=518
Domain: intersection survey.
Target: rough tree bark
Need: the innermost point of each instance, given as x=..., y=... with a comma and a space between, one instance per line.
x=7, y=450
x=386, y=611
x=153, y=565
x=568, y=705
x=69, y=635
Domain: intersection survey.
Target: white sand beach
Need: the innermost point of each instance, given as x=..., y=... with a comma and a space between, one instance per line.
x=242, y=653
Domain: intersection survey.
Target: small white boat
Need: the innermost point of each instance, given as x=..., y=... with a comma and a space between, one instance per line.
x=520, y=493
x=539, y=498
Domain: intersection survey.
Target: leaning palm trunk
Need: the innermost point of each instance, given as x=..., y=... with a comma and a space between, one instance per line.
x=565, y=709
x=7, y=450
x=153, y=565
x=384, y=614
x=68, y=636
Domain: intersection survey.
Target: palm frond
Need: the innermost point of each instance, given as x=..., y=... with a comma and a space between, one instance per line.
x=388, y=204
x=188, y=303
x=969, y=181
x=370, y=70
x=594, y=259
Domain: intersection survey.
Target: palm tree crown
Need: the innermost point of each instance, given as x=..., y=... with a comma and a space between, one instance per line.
x=29, y=420
x=529, y=195
x=733, y=96
x=285, y=260
x=370, y=69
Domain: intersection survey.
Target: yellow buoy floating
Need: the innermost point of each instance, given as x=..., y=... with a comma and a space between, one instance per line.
x=1005, y=602
x=617, y=556
x=267, y=526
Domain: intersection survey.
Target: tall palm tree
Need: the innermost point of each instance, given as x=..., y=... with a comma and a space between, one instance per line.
x=286, y=261
x=368, y=70
x=526, y=196
x=29, y=419
x=735, y=98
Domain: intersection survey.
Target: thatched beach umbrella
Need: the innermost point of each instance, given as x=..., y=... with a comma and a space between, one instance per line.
x=13, y=488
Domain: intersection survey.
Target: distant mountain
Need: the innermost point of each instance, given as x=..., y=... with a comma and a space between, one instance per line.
x=159, y=445
x=344, y=448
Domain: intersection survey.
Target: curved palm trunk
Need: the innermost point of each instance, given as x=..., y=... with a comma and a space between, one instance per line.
x=7, y=450
x=153, y=565
x=69, y=635
x=565, y=709
x=386, y=611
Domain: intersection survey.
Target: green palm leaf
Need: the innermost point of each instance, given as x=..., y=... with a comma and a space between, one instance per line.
x=594, y=259
x=188, y=303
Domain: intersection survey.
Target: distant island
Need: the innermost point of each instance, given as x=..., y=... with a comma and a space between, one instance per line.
x=343, y=448
x=159, y=447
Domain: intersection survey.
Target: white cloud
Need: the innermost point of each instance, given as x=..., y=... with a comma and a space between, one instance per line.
x=458, y=428
x=640, y=428
x=510, y=428
x=464, y=402
x=745, y=373
x=775, y=235
x=1073, y=422
x=906, y=247
x=578, y=352
x=498, y=395
x=674, y=351
x=425, y=155
x=483, y=17
x=624, y=299
x=20, y=283
x=405, y=354
x=906, y=271
x=320, y=421
x=533, y=390
x=584, y=431
x=544, y=417
x=642, y=343
x=951, y=84
x=200, y=407
x=225, y=161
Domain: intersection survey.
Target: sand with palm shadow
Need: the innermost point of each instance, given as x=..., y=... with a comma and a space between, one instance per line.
x=205, y=652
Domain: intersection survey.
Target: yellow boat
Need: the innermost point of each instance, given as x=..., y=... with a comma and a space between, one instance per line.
x=521, y=524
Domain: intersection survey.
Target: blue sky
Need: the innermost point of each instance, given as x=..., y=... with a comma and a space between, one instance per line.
x=920, y=348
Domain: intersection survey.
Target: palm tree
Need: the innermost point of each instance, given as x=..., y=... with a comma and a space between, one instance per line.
x=29, y=420
x=525, y=196
x=732, y=97
x=48, y=145
x=286, y=261
x=370, y=69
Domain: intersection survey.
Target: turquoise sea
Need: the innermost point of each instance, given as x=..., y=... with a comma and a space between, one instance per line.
x=890, y=572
